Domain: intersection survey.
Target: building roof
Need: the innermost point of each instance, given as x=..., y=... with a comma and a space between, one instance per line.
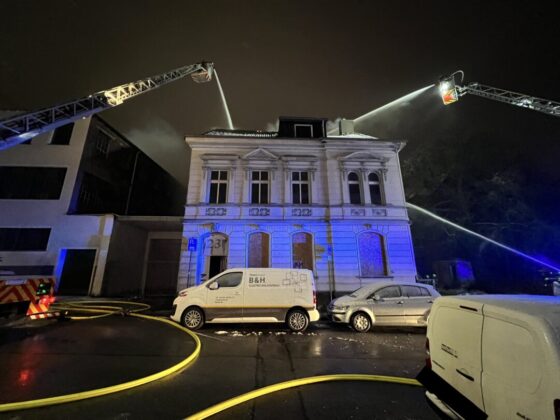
x=222, y=132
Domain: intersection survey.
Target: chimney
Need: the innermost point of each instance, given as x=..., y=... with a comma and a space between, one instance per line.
x=346, y=127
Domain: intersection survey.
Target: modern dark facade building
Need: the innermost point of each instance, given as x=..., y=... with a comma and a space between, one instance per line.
x=86, y=206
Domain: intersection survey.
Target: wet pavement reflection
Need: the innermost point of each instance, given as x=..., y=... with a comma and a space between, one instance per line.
x=64, y=357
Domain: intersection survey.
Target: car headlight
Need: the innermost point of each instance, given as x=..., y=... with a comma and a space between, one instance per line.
x=340, y=308
x=183, y=293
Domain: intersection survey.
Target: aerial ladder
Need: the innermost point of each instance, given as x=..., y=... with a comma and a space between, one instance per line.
x=450, y=92
x=20, y=128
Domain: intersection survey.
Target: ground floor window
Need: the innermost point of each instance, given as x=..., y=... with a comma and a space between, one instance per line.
x=372, y=255
x=302, y=250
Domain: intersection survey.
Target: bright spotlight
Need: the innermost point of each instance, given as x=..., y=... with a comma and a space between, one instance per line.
x=448, y=90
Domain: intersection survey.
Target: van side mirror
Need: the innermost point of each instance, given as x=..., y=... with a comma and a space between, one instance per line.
x=214, y=286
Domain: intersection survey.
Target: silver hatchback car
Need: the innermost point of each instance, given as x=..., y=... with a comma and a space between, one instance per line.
x=387, y=303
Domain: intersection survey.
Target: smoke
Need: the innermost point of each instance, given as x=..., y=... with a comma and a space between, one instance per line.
x=162, y=143
x=332, y=126
x=272, y=126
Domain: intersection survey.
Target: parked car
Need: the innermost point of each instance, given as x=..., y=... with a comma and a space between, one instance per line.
x=250, y=295
x=384, y=303
x=494, y=356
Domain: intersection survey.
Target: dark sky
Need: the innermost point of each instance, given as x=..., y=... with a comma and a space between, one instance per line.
x=304, y=58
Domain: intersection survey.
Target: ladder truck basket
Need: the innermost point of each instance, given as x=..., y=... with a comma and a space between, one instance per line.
x=38, y=292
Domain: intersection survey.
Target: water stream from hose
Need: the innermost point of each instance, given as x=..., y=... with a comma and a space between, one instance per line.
x=479, y=236
x=226, y=109
x=398, y=101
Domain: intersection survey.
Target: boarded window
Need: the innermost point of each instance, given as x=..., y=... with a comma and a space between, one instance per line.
x=372, y=255
x=24, y=239
x=259, y=250
x=354, y=188
x=302, y=250
x=31, y=182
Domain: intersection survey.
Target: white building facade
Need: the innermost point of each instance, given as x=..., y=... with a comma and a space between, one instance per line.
x=296, y=198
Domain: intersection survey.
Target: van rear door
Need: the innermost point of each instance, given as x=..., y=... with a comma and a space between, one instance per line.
x=514, y=377
x=455, y=347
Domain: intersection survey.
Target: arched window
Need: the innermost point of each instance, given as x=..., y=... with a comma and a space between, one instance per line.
x=259, y=250
x=302, y=250
x=374, y=188
x=354, y=188
x=372, y=255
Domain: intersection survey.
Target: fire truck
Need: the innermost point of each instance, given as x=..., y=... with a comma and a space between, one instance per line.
x=29, y=296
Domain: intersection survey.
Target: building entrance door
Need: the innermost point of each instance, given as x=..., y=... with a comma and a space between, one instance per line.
x=77, y=270
x=217, y=265
x=215, y=255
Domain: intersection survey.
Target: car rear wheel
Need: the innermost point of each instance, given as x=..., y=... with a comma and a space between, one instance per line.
x=192, y=318
x=360, y=322
x=297, y=320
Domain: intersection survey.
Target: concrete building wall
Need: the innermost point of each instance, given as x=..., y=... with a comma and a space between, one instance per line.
x=67, y=232
x=125, y=268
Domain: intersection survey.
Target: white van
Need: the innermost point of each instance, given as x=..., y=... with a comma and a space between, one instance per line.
x=495, y=356
x=250, y=295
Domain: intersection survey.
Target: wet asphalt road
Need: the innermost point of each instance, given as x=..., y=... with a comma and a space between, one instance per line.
x=47, y=358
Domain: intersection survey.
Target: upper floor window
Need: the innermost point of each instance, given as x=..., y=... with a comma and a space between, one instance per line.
x=218, y=187
x=24, y=239
x=62, y=134
x=374, y=188
x=300, y=188
x=31, y=182
x=354, y=188
x=303, y=131
x=259, y=187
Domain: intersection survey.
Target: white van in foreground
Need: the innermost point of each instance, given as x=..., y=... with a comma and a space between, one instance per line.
x=495, y=356
x=250, y=295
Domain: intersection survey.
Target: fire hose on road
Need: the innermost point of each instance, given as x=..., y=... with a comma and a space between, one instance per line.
x=85, y=310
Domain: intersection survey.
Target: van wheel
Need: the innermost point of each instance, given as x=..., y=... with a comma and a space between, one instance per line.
x=192, y=318
x=297, y=320
x=360, y=322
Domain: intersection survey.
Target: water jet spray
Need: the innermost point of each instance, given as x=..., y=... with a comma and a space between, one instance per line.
x=479, y=236
x=226, y=109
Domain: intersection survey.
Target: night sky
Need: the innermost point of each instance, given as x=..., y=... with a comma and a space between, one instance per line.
x=303, y=58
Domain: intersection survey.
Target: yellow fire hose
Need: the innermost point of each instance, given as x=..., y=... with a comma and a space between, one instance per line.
x=295, y=383
x=94, y=307
x=87, y=307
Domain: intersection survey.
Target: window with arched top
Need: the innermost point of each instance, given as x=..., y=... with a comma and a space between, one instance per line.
x=302, y=250
x=354, y=188
x=374, y=188
x=373, y=262
x=259, y=250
